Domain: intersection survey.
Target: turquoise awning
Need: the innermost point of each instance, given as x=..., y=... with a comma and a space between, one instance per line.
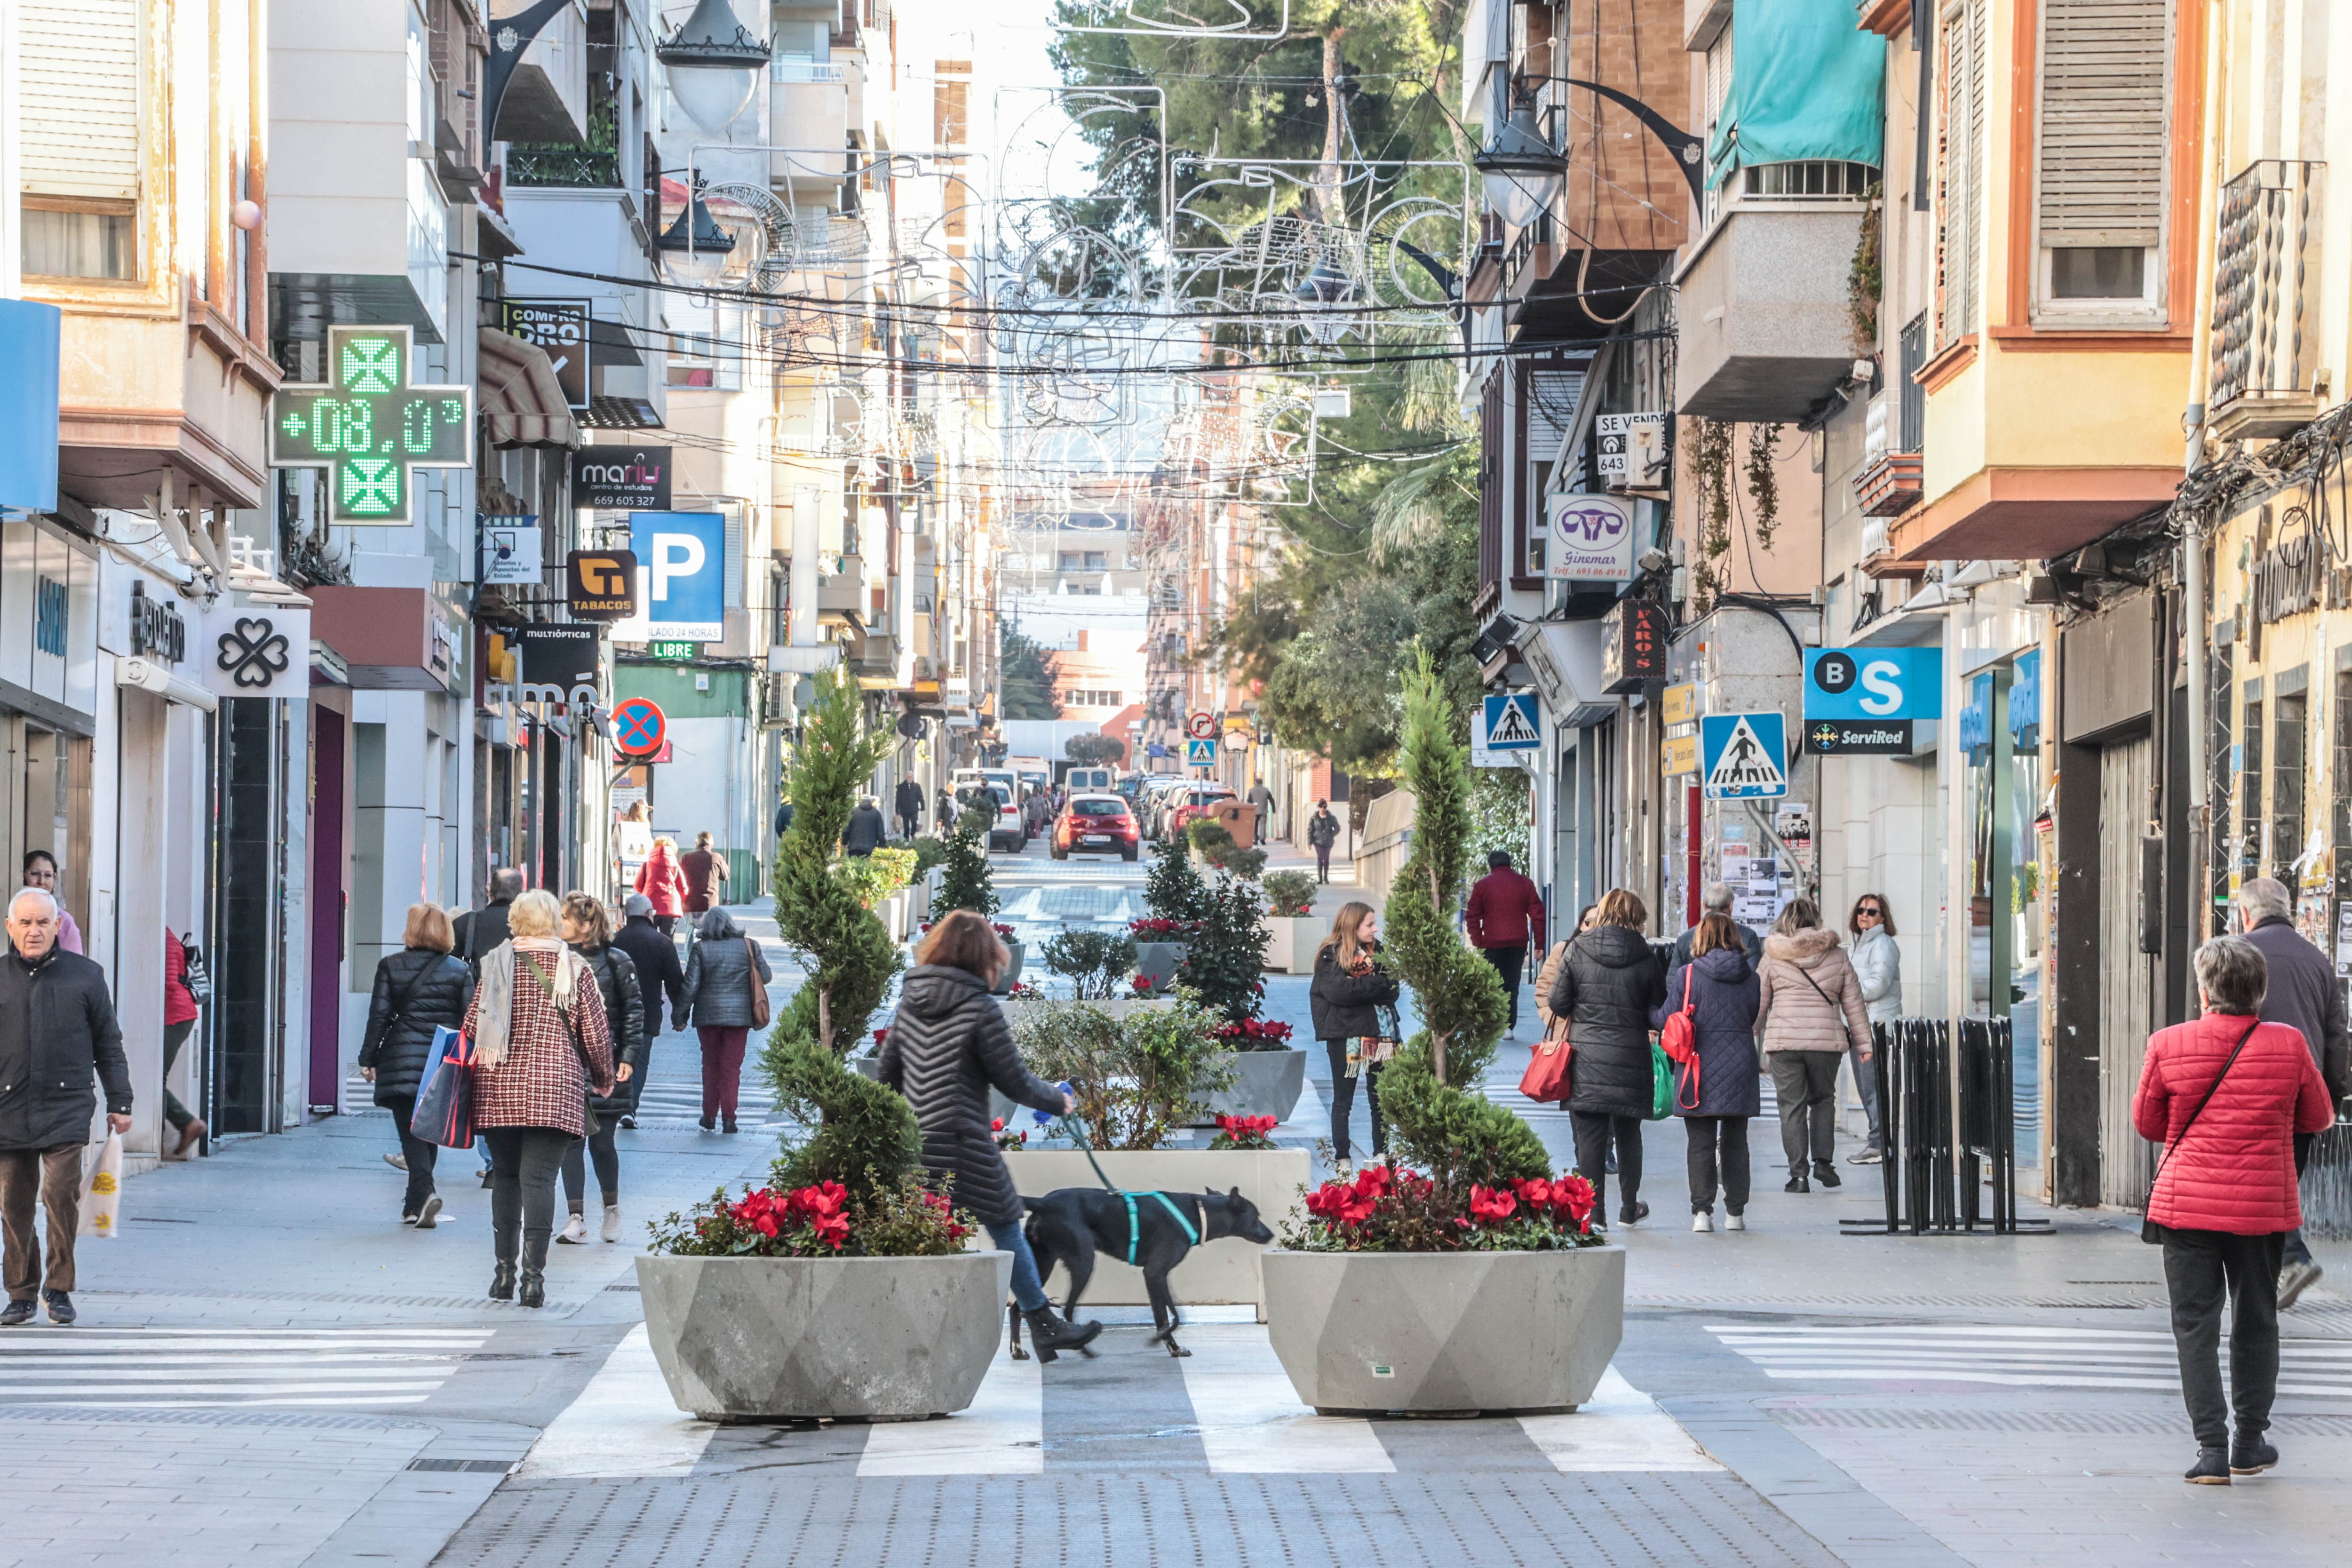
x=1805, y=83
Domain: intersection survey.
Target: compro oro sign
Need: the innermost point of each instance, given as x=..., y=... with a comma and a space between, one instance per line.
x=682, y=575
x=1592, y=539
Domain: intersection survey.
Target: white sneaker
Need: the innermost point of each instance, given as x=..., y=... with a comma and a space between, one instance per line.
x=397, y=1161
x=575, y=1232
x=429, y=1216
x=612, y=1225
x=1346, y=1168
x=1703, y=1221
x=1735, y=1222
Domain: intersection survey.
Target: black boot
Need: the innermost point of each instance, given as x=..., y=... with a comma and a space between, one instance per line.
x=502, y=1282
x=2211, y=1468
x=2250, y=1456
x=534, y=1288
x=1050, y=1331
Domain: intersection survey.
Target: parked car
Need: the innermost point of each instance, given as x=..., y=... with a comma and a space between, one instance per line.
x=1096, y=824
x=1199, y=800
x=1011, y=834
x=1158, y=792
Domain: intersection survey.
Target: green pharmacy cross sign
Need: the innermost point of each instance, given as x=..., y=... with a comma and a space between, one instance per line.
x=370, y=425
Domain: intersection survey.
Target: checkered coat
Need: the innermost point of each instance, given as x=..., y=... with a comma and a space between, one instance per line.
x=541, y=1083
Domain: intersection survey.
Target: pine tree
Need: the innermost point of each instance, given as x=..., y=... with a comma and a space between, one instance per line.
x=866, y=1135
x=965, y=880
x=1458, y=1137
x=1174, y=889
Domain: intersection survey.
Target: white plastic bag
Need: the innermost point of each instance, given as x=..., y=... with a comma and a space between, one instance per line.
x=101, y=1190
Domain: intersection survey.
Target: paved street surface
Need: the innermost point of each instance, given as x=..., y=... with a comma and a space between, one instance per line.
x=270, y=1371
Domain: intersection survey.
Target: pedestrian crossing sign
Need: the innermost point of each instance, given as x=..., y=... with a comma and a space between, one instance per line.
x=1200, y=753
x=1511, y=719
x=1744, y=756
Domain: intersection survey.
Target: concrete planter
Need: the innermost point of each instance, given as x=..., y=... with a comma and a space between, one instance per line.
x=1012, y=969
x=1266, y=1083
x=1159, y=960
x=895, y=916
x=1444, y=1333
x=1291, y=941
x=1116, y=1006
x=1218, y=1272
x=799, y=1339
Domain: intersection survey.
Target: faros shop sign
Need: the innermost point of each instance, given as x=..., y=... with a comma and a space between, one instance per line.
x=621, y=478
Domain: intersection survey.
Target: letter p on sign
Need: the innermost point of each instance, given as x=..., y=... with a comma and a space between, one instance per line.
x=674, y=556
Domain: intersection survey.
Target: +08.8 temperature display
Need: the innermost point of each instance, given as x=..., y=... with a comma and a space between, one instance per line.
x=370, y=425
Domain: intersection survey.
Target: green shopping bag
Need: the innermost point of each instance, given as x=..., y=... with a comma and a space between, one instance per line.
x=1662, y=1084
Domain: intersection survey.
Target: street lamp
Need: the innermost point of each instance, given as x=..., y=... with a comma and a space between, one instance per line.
x=695, y=249
x=1523, y=172
x=714, y=65
x=1320, y=294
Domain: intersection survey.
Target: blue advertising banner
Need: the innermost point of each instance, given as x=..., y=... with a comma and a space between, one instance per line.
x=1874, y=683
x=28, y=415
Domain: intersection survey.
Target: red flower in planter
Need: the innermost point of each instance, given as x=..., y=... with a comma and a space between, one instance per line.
x=1003, y=931
x=1491, y=1207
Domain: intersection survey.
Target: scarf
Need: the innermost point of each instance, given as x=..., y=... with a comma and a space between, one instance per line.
x=494, y=1014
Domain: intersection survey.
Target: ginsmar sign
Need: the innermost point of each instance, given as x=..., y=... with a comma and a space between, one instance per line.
x=621, y=478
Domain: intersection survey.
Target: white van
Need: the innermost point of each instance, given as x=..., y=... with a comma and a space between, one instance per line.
x=1090, y=781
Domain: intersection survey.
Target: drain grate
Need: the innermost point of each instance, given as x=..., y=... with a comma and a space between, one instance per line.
x=2113, y=1423
x=131, y=1415
x=464, y=1467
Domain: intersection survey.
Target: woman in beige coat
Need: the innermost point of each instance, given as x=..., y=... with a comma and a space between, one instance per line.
x=1810, y=1011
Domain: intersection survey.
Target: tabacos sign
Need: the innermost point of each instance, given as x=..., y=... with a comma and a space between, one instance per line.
x=623, y=479
x=1590, y=539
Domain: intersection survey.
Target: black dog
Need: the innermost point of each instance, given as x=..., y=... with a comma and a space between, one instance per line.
x=1069, y=1227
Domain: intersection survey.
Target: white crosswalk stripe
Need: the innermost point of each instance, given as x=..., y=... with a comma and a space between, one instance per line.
x=2016, y=1356
x=192, y=1368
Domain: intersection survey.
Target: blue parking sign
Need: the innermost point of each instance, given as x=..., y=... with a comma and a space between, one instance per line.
x=682, y=557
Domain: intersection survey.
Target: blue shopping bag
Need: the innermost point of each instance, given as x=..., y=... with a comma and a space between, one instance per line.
x=445, y=1101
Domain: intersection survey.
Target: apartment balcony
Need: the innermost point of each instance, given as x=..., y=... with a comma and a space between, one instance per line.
x=841, y=598
x=1764, y=331
x=1890, y=484
x=2266, y=301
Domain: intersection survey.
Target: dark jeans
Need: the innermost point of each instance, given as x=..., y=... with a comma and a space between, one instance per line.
x=1716, y=1141
x=524, y=1162
x=416, y=1152
x=1806, y=1083
x=722, y=1068
x=1322, y=862
x=55, y=1175
x=667, y=925
x=1028, y=1288
x=2201, y=1268
x=599, y=1147
x=1594, y=1129
x=174, y=1036
x=1343, y=1101
x=2297, y=1250
x=1508, y=962
x=910, y=823
x=1865, y=1079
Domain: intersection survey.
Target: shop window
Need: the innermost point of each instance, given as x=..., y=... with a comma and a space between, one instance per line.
x=2249, y=776
x=2287, y=759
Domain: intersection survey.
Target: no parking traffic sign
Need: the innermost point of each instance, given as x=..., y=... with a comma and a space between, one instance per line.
x=640, y=729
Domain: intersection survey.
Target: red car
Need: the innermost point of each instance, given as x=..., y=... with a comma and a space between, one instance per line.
x=1197, y=801
x=1096, y=824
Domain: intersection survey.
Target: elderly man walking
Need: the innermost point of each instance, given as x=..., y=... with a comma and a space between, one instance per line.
x=2304, y=994
x=57, y=1029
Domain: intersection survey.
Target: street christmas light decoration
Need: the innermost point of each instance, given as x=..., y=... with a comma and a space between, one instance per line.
x=370, y=425
x=1523, y=172
x=714, y=65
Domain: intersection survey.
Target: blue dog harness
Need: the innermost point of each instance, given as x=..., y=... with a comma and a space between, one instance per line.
x=1135, y=1230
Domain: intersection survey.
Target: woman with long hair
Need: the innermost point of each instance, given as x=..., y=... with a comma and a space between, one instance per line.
x=947, y=1045
x=663, y=879
x=1878, y=966
x=418, y=990
x=588, y=931
x=722, y=968
x=1347, y=994
x=1809, y=1013
x=1716, y=1091
x=542, y=1045
x=1606, y=986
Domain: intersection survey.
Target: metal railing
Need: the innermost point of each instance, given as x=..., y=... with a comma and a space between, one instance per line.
x=1802, y=180
x=2263, y=279
x=1947, y=1124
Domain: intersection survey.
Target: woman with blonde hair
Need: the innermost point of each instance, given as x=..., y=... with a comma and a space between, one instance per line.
x=418, y=990
x=1347, y=994
x=541, y=1045
x=588, y=931
x=1607, y=985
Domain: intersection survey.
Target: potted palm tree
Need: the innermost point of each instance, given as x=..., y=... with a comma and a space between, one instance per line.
x=1465, y=1276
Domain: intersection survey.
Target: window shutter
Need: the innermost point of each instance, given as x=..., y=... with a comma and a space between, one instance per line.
x=731, y=579
x=2105, y=122
x=1958, y=275
x=78, y=88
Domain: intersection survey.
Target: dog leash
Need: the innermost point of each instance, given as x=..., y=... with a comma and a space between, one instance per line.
x=1074, y=1130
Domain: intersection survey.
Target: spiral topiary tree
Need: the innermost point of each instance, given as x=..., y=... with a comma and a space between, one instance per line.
x=866, y=1135
x=1457, y=1137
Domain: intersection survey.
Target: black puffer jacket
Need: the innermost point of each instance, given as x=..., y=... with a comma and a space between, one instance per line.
x=1605, y=990
x=625, y=1014
x=1723, y=996
x=46, y=1096
x=417, y=991
x=1346, y=1006
x=947, y=1047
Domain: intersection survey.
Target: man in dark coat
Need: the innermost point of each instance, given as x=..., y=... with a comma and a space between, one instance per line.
x=865, y=830
x=1717, y=900
x=784, y=817
x=1606, y=988
x=57, y=1029
x=659, y=973
x=704, y=871
x=909, y=804
x=480, y=930
x=1505, y=913
x=1322, y=832
x=2303, y=994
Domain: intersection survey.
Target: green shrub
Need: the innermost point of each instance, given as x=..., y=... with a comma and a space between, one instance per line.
x=874, y=877
x=1097, y=962
x=928, y=852
x=1290, y=893
x=1174, y=890
x=1134, y=1078
x=965, y=880
x=1226, y=956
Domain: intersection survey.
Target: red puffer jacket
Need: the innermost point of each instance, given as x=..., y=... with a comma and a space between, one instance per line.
x=2235, y=1170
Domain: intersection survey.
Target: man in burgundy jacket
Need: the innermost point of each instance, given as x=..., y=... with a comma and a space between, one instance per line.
x=706, y=876
x=1504, y=916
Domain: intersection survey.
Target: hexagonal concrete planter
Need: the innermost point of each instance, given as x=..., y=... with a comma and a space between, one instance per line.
x=850, y=1339
x=1218, y=1272
x=1266, y=1083
x=1444, y=1333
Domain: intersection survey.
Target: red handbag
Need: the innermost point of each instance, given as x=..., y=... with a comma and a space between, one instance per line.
x=1679, y=1040
x=1545, y=1079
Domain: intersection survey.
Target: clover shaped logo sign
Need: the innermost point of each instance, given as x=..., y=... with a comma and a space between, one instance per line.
x=254, y=652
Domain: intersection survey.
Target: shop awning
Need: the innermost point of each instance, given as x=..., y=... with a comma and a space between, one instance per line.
x=520, y=395
x=1805, y=83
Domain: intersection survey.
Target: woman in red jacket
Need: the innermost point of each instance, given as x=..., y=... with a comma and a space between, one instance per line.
x=2224, y=1096
x=663, y=880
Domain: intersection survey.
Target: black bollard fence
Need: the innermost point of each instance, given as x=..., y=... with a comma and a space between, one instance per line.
x=1948, y=1116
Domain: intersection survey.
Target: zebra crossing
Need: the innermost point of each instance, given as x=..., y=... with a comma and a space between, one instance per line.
x=2018, y=1356
x=184, y=1369
x=1228, y=1409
